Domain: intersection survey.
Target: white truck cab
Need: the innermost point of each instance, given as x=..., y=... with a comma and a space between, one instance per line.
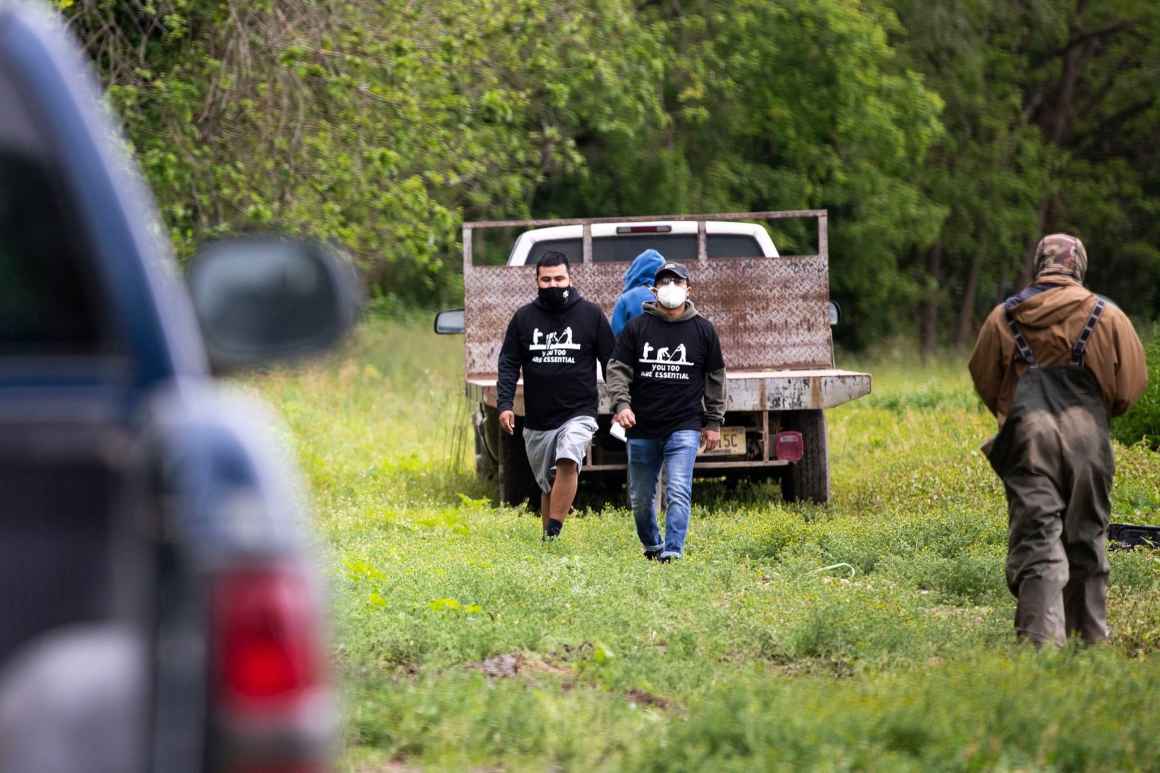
x=676, y=240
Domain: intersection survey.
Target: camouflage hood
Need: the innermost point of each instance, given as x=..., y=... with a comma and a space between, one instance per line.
x=1061, y=254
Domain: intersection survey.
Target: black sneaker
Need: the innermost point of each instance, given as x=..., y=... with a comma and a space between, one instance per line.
x=652, y=555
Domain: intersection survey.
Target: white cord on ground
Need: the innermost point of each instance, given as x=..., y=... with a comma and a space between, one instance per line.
x=851, y=567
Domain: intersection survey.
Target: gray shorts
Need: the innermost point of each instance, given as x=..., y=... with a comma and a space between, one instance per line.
x=568, y=441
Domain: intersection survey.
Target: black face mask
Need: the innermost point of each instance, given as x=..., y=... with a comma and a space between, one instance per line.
x=555, y=297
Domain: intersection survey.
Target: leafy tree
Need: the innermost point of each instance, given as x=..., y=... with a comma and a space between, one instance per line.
x=944, y=138
x=381, y=125
x=786, y=105
x=1047, y=110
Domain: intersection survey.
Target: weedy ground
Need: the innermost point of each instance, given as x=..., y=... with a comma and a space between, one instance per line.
x=873, y=633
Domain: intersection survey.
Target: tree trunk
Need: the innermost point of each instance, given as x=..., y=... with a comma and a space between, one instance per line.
x=967, y=312
x=928, y=330
x=1045, y=215
x=1056, y=120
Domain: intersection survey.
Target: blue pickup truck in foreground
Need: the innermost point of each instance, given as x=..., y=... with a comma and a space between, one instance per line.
x=159, y=609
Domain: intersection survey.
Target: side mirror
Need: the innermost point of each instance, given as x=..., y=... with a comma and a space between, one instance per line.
x=265, y=299
x=449, y=322
x=833, y=311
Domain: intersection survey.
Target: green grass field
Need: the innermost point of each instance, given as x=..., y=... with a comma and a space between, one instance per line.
x=874, y=633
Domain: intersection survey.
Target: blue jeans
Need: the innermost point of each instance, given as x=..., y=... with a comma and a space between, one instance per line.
x=677, y=451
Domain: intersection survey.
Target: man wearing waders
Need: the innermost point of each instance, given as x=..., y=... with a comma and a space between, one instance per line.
x=1053, y=363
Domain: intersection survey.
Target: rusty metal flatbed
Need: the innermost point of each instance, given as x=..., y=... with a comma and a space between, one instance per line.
x=771, y=313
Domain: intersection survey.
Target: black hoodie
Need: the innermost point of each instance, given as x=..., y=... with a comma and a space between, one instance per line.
x=557, y=349
x=669, y=371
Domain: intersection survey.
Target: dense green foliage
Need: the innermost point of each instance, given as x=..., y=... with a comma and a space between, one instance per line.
x=1142, y=422
x=874, y=633
x=943, y=138
x=381, y=125
x=784, y=106
x=1050, y=122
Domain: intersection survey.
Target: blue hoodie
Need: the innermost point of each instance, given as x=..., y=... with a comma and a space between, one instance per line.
x=637, y=280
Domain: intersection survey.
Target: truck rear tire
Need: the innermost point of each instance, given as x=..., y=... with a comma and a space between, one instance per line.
x=517, y=485
x=808, y=480
x=487, y=443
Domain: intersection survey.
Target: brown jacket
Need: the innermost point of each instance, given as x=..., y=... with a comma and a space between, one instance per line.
x=1051, y=322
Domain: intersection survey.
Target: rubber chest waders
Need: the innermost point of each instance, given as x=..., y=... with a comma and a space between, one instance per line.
x=1054, y=457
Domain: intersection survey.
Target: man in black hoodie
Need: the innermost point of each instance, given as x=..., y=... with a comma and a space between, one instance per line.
x=556, y=341
x=666, y=380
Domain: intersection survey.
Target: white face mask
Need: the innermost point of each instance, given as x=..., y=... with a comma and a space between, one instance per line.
x=671, y=296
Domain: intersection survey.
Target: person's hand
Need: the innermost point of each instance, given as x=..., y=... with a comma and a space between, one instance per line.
x=626, y=418
x=711, y=438
x=507, y=420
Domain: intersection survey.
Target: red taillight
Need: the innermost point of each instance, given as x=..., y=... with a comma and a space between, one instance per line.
x=787, y=446
x=643, y=229
x=267, y=639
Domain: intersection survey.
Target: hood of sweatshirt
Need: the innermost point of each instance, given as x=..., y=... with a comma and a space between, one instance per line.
x=572, y=299
x=1053, y=307
x=642, y=272
x=654, y=308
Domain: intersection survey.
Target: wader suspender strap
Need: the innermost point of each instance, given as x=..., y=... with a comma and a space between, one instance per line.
x=1081, y=342
x=1008, y=310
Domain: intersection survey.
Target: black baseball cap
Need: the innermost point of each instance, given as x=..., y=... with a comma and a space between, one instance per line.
x=676, y=269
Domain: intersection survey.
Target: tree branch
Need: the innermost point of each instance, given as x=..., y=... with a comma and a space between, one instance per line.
x=1086, y=37
x=1113, y=122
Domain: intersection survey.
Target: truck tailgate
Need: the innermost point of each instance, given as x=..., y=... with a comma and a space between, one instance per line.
x=775, y=390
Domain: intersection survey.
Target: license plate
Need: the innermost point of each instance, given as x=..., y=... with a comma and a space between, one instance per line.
x=732, y=443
